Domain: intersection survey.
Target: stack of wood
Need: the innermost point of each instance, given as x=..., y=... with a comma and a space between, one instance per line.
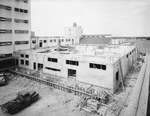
x=116, y=107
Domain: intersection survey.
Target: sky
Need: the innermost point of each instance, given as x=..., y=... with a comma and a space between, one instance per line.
x=116, y=17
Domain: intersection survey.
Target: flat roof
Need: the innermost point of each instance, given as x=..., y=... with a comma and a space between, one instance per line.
x=94, y=53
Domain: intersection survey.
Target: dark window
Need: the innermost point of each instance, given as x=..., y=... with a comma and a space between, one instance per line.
x=53, y=69
x=91, y=65
x=25, y=21
x=21, y=42
x=62, y=40
x=5, y=43
x=27, y=62
x=5, y=7
x=104, y=67
x=54, y=40
x=71, y=73
x=40, y=66
x=127, y=56
x=21, y=31
x=71, y=62
x=21, y=10
x=25, y=11
x=97, y=66
x=40, y=44
x=22, y=62
x=117, y=75
x=26, y=1
x=33, y=41
x=34, y=65
x=16, y=9
x=44, y=41
x=20, y=21
x=5, y=19
x=3, y=31
x=27, y=56
x=67, y=61
x=22, y=55
x=68, y=39
x=8, y=8
x=52, y=59
x=51, y=40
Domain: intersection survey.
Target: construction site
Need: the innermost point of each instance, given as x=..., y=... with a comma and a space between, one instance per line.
x=75, y=74
x=78, y=78
x=70, y=96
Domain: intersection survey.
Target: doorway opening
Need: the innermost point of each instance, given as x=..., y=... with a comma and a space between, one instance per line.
x=117, y=75
x=40, y=44
x=40, y=66
x=71, y=73
x=34, y=65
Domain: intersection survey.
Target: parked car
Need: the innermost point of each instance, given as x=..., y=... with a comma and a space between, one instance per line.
x=2, y=79
x=24, y=98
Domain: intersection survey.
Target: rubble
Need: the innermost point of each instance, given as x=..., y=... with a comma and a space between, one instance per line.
x=105, y=102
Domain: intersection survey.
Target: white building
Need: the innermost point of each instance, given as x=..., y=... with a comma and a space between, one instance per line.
x=49, y=41
x=93, y=64
x=15, y=25
x=72, y=36
x=73, y=33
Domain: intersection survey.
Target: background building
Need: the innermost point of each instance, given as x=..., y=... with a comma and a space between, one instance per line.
x=73, y=33
x=15, y=26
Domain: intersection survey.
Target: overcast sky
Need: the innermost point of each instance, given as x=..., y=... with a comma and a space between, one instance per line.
x=116, y=17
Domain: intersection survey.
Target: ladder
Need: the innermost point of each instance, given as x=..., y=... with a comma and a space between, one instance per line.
x=120, y=67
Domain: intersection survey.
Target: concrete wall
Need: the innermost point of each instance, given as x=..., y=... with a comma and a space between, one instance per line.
x=103, y=78
x=74, y=33
x=126, y=63
x=99, y=77
x=85, y=74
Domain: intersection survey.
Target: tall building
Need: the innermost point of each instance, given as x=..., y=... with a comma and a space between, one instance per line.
x=15, y=24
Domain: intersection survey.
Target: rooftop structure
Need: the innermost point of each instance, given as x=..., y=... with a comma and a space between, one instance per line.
x=96, y=39
x=74, y=33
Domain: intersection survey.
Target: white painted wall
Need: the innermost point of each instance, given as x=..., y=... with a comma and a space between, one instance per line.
x=15, y=26
x=73, y=33
x=126, y=63
x=99, y=77
x=103, y=78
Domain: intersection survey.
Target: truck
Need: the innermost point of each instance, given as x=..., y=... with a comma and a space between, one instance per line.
x=24, y=99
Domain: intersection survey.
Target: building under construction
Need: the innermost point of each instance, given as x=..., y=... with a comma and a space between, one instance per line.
x=103, y=66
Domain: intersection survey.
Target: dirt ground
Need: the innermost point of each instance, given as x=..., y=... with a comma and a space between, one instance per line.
x=52, y=102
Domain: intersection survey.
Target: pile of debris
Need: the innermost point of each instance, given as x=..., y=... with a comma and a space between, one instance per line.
x=101, y=105
x=98, y=101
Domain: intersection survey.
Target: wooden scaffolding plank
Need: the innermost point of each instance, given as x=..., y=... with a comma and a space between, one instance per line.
x=121, y=74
